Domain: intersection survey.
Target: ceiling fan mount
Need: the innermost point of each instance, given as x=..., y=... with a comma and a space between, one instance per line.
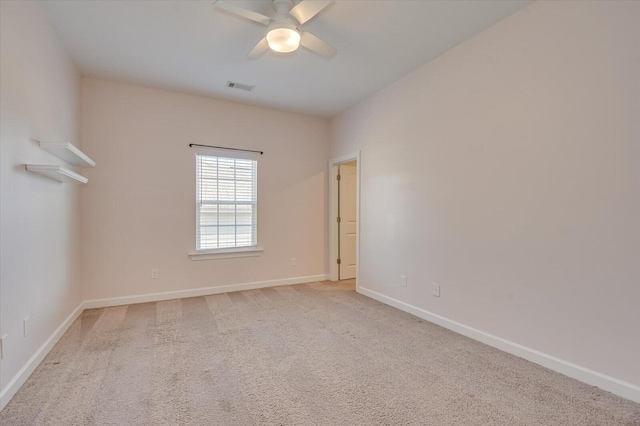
x=285, y=31
x=282, y=6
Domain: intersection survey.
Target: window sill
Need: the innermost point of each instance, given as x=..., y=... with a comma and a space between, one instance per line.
x=226, y=253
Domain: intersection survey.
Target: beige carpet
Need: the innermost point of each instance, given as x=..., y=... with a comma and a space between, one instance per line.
x=314, y=354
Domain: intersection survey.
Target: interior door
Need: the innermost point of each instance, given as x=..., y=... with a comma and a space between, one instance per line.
x=347, y=224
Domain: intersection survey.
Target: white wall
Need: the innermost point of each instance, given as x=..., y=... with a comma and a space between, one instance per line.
x=39, y=218
x=507, y=171
x=139, y=205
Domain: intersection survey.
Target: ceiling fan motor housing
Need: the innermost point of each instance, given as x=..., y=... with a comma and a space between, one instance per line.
x=282, y=7
x=283, y=18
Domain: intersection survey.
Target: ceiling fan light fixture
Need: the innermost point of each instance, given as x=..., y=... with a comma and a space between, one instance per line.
x=283, y=39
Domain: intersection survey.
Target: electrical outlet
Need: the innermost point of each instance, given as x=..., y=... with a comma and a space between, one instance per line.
x=403, y=280
x=436, y=290
x=293, y=261
x=3, y=339
x=25, y=326
x=154, y=273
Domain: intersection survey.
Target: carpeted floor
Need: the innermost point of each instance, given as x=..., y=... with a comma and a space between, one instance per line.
x=312, y=354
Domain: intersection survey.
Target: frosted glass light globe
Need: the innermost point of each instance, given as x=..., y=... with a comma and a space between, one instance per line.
x=283, y=40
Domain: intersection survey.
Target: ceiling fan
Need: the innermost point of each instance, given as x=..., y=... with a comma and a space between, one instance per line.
x=284, y=32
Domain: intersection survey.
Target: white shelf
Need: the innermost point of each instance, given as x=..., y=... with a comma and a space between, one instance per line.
x=58, y=173
x=69, y=153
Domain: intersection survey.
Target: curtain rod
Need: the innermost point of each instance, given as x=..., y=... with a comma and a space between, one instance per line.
x=224, y=147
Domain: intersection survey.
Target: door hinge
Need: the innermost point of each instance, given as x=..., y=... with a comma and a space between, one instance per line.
x=339, y=261
x=338, y=219
x=338, y=177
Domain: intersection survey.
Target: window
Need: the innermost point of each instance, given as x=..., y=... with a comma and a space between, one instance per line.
x=226, y=200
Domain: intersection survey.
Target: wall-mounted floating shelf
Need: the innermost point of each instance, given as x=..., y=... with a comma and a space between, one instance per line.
x=69, y=153
x=58, y=173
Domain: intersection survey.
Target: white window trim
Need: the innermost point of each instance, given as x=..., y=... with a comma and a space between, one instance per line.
x=226, y=253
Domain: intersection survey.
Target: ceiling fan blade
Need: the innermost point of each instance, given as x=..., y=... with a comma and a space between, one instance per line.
x=316, y=45
x=307, y=9
x=242, y=12
x=260, y=48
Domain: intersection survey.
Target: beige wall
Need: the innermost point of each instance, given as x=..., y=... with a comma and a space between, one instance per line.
x=507, y=171
x=39, y=218
x=139, y=205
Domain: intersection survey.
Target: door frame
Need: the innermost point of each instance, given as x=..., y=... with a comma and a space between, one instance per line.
x=333, y=214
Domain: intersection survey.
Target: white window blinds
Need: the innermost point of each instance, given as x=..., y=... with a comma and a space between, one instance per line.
x=226, y=200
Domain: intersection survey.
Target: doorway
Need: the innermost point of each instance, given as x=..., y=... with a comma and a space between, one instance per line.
x=344, y=213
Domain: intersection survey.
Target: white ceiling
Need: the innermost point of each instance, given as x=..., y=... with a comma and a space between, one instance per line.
x=191, y=47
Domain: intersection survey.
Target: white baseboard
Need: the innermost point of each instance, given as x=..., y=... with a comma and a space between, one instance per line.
x=610, y=384
x=29, y=367
x=180, y=294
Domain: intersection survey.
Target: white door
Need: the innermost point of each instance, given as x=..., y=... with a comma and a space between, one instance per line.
x=347, y=223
